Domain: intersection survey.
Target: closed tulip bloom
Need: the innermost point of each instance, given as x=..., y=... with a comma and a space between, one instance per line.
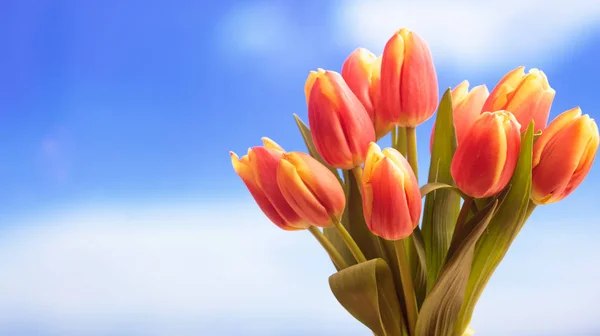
x=527, y=96
x=258, y=171
x=340, y=125
x=390, y=193
x=563, y=156
x=486, y=158
x=310, y=189
x=466, y=107
x=361, y=71
x=409, y=88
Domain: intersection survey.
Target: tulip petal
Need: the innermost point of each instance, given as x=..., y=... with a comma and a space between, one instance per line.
x=299, y=197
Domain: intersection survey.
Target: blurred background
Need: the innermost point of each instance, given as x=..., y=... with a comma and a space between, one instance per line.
x=120, y=213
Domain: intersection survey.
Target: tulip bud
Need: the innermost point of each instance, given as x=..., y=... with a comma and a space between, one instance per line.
x=340, y=126
x=311, y=189
x=409, y=88
x=527, y=96
x=258, y=171
x=390, y=193
x=361, y=71
x=466, y=107
x=487, y=156
x=563, y=156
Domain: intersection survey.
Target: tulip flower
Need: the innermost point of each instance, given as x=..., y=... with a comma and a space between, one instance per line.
x=409, y=88
x=310, y=189
x=340, y=125
x=563, y=156
x=361, y=71
x=487, y=156
x=466, y=107
x=527, y=96
x=258, y=171
x=390, y=193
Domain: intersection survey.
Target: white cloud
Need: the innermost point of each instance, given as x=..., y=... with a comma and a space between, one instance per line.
x=470, y=33
x=214, y=268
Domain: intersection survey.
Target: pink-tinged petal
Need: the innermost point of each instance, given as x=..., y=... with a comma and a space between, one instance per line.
x=565, y=160
x=299, y=197
x=243, y=169
x=418, y=86
x=320, y=181
x=357, y=71
x=264, y=162
x=498, y=97
x=550, y=132
x=389, y=214
x=327, y=134
x=411, y=186
x=484, y=159
x=391, y=72
x=310, y=81
x=467, y=110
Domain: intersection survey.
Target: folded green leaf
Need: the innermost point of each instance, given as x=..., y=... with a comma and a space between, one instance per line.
x=415, y=251
x=441, y=206
x=501, y=231
x=442, y=304
x=433, y=186
x=367, y=292
x=367, y=241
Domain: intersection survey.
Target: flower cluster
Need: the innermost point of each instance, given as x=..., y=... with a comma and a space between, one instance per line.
x=347, y=112
x=483, y=142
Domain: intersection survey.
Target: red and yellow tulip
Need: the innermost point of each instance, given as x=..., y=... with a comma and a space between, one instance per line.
x=563, y=155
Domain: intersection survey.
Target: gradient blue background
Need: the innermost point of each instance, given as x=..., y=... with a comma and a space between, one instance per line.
x=119, y=210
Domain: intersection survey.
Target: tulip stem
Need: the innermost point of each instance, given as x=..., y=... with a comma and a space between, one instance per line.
x=335, y=256
x=400, y=144
x=407, y=285
x=349, y=241
x=411, y=144
x=464, y=212
x=358, y=173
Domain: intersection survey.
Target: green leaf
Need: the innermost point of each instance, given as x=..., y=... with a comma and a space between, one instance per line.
x=367, y=241
x=442, y=305
x=367, y=292
x=501, y=231
x=433, y=186
x=312, y=150
x=415, y=251
x=441, y=206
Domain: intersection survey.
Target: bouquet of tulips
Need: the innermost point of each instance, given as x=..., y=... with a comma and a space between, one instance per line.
x=493, y=160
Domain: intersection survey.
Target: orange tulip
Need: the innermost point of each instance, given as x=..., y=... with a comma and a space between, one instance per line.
x=487, y=156
x=258, y=170
x=466, y=107
x=340, y=125
x=310, y=189
x=361, y=71
x=527, y=96
x=409, y=88
x=390, y=193
x=563, y=156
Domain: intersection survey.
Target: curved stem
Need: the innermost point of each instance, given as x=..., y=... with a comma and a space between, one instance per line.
x=347, y=238
x=411, y=144
x=336, y=257
x=407, y=286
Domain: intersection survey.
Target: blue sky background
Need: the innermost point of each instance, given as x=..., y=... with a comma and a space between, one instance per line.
x=119, y=210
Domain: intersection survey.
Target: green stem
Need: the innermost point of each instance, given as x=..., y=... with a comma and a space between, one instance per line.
x=394, y=136
x=530, y=209
x=407, y=286
x=352, y=246
x=411, y=145
x=400, y=144
x=358, y=173
x=336, y=257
